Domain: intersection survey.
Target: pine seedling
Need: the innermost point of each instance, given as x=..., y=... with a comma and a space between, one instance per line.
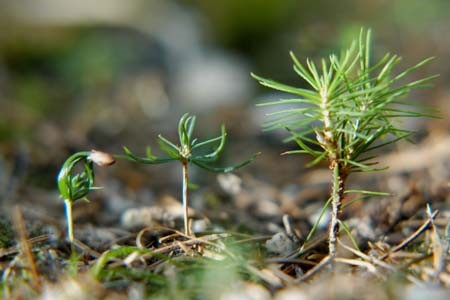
x=75, y=184
x=348, y=111
x=188, y=151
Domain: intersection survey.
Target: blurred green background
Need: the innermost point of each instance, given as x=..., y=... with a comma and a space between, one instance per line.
x=102, y=74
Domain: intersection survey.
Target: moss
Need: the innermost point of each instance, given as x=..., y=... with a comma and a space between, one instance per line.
x=6, y=233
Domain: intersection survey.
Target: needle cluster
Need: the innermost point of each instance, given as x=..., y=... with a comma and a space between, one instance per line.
x=348, y=110
x=189, y=150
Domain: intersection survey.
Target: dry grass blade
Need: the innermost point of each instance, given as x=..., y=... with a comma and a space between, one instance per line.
x=415, y=257
x=283, y=260
x=415, y=280
x=355, y=262
x=25, y=247
x=438, y=248
x=30, y=241
x=310, y=245
x=445, y=278
x=172, y=244
x=324, y=262
x=252, y=239
x=286, y=279
x=266, y=275
x=412, y=237
x=85, y=248
x=366, y=257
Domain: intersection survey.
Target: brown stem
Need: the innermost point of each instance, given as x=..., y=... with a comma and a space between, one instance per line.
x=337, y=194
x=185, y=199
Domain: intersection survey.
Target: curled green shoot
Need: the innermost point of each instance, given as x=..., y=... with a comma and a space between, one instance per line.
x=76, y=180
x=188, y=151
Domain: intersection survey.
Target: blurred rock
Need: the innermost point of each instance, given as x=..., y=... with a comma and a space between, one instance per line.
x=166, y=212
x=248, y=291
x=293, y=293
x=58, y=12
x=206, y=82
x=414, y=292
x=71, y=288
x=314, y=217
x=230, y=183
x=281, y=244
x=99, y=238
x=149, y=216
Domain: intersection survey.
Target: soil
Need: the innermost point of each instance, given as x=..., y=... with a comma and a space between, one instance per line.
x=250, y=230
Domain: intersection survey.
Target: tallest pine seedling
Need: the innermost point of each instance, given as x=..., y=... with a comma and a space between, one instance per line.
x=349, y=109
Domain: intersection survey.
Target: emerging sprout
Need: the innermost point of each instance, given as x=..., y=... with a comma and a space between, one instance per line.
x=74, y=185
x=188, y=151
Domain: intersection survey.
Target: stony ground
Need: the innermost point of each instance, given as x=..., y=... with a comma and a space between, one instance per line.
x=250, y=235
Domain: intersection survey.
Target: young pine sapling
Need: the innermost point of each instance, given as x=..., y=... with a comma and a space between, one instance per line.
x=74, y=184
x=188, y=151
x=348, y=111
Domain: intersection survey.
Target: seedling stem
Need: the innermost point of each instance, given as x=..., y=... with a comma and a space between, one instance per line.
x=187, y=230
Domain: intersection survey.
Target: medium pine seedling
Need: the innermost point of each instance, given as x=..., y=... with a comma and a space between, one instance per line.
x=349, y=109
x=189, y=151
